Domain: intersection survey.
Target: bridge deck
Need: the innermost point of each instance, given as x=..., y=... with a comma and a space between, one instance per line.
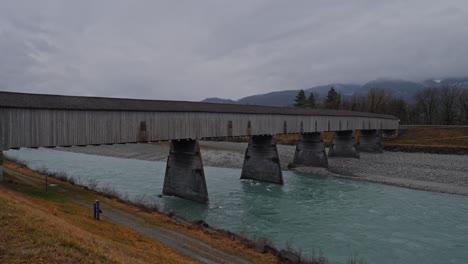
x=34, y=120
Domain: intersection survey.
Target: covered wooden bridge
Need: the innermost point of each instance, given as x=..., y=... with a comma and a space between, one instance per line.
x=34, y=120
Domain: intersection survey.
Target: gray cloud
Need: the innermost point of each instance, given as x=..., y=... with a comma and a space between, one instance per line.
x=189, y=50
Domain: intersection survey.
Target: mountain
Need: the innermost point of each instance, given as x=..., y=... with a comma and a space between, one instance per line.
x=286, y=98
x=344, y=89
x=281, y=98
x=219, y=100
x=399, y=88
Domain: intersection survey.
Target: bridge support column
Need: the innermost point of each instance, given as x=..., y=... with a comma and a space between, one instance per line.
x=185, y=177
x=344, y=145
x=261, y=160
x=369, y=141
x=310, y=151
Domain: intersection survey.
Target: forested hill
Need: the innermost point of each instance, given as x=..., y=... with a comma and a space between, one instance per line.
x=398, y=88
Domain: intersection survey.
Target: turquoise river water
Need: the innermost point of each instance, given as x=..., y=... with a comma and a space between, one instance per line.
x=335, y=217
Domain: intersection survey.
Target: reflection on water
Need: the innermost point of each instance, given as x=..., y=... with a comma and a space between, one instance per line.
x=337, y=217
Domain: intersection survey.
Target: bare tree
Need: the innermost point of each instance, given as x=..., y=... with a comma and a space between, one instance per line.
x=413, y=114
x=463, y=106
x=448, y=102
x=398, y=108
x=427, y=100
x=377, y=98
x=357, y=103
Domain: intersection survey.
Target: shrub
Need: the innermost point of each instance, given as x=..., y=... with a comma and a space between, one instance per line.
x=20, y=163
x=109, y=191
x=147, y=203
x=92, y=184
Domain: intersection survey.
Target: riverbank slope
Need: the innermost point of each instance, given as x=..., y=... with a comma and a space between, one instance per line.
x=57, y=227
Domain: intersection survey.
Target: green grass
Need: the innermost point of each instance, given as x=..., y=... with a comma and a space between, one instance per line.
x=50, y=195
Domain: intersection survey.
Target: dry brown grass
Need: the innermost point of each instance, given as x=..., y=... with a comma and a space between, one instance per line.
x=129, y=246
x=289, y=139
x=431, y=136
x=450, y=140
x=430, y=140
x=36, y=230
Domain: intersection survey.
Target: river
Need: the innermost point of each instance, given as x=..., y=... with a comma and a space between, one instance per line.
x=334, y=217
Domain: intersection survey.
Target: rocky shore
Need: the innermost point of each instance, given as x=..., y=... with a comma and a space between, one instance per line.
x=431, y=172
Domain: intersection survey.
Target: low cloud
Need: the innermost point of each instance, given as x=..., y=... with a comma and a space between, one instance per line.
x=189, y=50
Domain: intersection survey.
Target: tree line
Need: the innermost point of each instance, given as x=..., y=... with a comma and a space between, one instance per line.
x=431, y=106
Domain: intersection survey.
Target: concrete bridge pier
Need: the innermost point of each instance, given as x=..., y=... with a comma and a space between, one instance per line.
x=369, y=141
x=185, y=176
x=310, y=151
x=344, y=145
x=261, y=160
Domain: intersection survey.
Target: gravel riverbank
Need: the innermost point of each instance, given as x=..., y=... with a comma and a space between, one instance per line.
x=431, y=172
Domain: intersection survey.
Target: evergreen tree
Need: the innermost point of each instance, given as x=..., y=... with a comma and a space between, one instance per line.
x=311, y=101
x=301, y=100
x=333, y=99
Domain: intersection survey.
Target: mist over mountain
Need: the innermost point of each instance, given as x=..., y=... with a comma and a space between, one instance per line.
x=399, y=89
x=456, y=82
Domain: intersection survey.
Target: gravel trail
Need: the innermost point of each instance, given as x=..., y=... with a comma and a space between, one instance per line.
x=193, y=248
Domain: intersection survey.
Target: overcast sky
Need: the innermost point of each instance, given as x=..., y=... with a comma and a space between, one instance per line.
x=190, y=50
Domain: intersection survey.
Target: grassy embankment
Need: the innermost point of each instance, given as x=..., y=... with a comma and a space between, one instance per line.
x=50, y=227
x=424, y=139
x=430, y=139
x=46, y=227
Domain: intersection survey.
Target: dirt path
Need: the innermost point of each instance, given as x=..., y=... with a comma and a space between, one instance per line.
x=188, y=246
x=26, y=179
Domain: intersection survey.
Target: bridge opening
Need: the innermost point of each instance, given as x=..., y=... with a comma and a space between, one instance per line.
x=142, y=134
x=229, y=128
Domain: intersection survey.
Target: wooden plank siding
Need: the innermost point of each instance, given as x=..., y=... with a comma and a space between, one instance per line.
x=35, y=127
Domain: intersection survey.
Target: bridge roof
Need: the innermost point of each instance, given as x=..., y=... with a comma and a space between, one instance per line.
x=45, y=101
